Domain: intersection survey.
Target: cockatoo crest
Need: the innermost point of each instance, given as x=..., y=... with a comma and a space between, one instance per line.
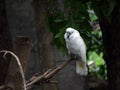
x=71, y=33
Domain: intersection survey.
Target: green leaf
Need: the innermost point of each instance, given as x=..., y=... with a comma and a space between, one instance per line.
x=58, y=35
x=57, y=20
x=107, y=7
x=111, y=4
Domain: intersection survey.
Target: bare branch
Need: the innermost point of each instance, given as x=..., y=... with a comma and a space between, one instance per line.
x=56, y=70
x=19, y=64
x=44, y=78
x=47, y=75
x=1, y=87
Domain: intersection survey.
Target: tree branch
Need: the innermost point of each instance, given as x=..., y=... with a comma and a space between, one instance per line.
x=19, y=64
x=44, y=78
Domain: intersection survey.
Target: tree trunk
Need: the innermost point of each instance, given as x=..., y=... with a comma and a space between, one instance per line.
x=111, y=40
x=5, y=41
x=15, y=78
x=22, y=47
x=46, y=56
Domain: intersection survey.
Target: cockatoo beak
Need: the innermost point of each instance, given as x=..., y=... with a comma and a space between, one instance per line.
x=68, y=34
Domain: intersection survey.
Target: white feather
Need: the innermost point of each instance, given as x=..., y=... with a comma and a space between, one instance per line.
x=76, y=45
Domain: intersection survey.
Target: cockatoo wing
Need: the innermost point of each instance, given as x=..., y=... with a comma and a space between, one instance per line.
x=79, y=49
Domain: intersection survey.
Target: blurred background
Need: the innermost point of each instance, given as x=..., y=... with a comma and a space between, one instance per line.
x=45, y=22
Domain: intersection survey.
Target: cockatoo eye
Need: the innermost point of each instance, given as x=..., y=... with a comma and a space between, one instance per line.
x=68, y=33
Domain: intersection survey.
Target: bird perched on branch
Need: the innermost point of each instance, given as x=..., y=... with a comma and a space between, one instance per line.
x=77, y=50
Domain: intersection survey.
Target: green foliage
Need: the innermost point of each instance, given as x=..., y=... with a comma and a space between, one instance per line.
x=97, y=66
x=95, y=55
x=93, y=17
x=96, y=41
x=103, y=7
x=76, y=16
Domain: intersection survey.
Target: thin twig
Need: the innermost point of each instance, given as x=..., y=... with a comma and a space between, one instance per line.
x=47, y=75
x=18, y=62
x=56, y=70
x=44, y=78
x=1, y=87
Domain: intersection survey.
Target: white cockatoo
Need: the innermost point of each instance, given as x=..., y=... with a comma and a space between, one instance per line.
x=77, y=50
